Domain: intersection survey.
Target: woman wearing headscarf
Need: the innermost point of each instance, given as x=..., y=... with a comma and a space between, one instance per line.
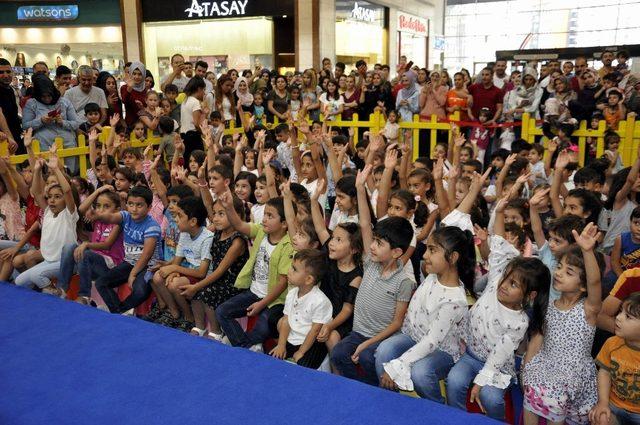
x=524, y=97
x=408, y=99
x=134, y=92
x=109, y=85
x=433, y=98
x=585, y=104
x=557, y=114
x=242, y=94
x=51, y=116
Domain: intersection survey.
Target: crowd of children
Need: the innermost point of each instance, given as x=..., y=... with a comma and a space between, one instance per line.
x=399, y=273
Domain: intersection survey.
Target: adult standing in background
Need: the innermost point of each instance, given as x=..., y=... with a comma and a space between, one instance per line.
x=486, y=95
x=177, y=76
x=134, y=93
x=85, y=92
x=9, y=106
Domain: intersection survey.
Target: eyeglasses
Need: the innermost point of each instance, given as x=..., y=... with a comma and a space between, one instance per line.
x=5, y=72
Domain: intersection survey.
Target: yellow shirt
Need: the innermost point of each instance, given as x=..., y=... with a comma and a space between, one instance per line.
x=623, y=364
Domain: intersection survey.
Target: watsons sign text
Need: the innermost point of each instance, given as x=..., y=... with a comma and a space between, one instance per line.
x=212, y=9
x=48, y=13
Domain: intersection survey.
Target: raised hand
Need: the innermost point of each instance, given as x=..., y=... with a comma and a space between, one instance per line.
x=27, y=137
x=480, y=232
x=438, y=169
x=391, y=159
x=363, y=176
x=178, y=144
x=588, y=239
x=563, y=160
x=511, y=159
x=537, y=200
x=226, y=199
x=93, y=136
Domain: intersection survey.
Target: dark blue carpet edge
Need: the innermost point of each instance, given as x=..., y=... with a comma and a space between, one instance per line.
x=63, y=363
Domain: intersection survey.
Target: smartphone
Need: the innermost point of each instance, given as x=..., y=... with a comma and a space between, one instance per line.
x=408, y=66
x=54, y=113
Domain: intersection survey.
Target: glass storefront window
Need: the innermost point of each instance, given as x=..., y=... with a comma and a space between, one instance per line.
x=223, y=44
x=97, y=46
x=474, y=31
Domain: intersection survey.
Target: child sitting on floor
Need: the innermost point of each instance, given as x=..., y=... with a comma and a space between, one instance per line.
x=306, y=310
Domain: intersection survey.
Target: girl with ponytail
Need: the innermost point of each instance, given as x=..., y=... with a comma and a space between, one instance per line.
x=428, y=346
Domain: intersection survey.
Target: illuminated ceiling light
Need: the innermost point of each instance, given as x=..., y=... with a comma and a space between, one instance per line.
x=8, y=35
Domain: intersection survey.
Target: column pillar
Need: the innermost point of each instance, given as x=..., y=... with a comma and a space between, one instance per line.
x=131, y=24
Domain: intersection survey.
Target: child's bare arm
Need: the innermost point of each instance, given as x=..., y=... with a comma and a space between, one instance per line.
x=226, y=200
x=536, y=223
x=615, y=257
x=390, y=162
x=316, y=213
x=363, y=208
x=587, y=241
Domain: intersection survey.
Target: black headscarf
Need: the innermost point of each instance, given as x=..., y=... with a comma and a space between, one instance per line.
x=43, y=85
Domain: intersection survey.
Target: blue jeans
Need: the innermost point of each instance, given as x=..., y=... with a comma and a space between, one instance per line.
x=461, y=378
x=624, y=417
x=236, y=307
x=341, y=359
x=92, y=266
x=118, y=276
x=39, y=275
x=425, y=373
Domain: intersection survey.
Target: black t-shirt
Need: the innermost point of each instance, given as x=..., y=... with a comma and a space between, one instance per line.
x=336, y=285
x=10, y=111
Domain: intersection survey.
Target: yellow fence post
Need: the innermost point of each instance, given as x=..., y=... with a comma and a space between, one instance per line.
x=525, y=127
x=581, y=142
x=83, y=158
x=602, y=126
x=415, y=136
x=628, y=147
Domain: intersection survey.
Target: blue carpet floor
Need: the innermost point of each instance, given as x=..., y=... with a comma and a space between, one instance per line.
x=63, y=363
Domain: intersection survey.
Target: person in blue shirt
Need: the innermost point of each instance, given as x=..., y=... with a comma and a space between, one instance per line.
x=142, y=237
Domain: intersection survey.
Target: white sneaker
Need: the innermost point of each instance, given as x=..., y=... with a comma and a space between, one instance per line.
x=225, y=341
x=129, y=312
x=103, y=307
x=216, y=337
x=257, y=348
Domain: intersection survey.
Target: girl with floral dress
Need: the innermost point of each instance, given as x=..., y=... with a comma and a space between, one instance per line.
x=559, y=375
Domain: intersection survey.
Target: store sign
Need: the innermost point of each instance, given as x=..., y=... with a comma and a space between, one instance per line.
x=214, y=9
x=413, y=24
x=176, y=10
x=48, y=13
x=362, y=13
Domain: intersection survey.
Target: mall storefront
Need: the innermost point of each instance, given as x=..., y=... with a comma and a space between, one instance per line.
x=73, y=33
x=234, y=34
x=361, y=32
x=413, y=38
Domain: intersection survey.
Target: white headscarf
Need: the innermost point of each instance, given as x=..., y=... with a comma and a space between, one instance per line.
x=245, y=99
x=140, y=67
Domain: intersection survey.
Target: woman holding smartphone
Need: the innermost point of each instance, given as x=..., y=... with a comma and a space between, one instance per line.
x=51, y=116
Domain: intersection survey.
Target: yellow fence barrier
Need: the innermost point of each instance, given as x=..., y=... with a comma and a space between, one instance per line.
x=629, y=131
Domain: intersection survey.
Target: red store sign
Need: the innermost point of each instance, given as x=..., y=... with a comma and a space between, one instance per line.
x=413, y=24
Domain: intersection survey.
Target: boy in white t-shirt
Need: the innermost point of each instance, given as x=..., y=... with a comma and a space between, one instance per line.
x=306, y=309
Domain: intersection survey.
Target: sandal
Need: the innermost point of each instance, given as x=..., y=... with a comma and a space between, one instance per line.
x=197, y=331
x=214, y=336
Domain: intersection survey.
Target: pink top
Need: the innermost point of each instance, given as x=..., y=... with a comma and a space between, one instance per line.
x=434, y=103
x=11, y=221
x=101, y=232
x=157, y=209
